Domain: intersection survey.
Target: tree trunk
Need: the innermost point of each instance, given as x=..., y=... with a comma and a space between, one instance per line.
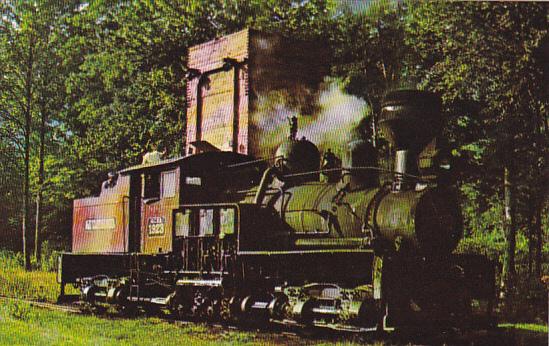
x=26, y=201
x=544, y=193
x=539, y=240
x=510, y=231
x=26, y=192
x=541, y=207
x=531, y=239
x=26, y=178
x=38, y=224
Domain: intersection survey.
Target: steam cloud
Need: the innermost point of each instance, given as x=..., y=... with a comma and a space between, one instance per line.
x=330, y=126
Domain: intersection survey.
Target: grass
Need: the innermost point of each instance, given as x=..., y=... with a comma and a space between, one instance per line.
x=36, y=284
x=21, y=324
x=42, y=327
x=537, y=328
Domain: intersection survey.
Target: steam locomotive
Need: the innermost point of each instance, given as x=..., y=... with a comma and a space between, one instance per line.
x=304, y=239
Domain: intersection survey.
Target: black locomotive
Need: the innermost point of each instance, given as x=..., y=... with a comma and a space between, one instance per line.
x=300, y=240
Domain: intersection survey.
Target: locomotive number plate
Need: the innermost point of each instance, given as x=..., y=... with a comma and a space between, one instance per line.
x=155, y=226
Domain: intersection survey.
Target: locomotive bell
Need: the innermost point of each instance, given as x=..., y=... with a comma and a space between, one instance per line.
x=297, y=157
x=359, y=155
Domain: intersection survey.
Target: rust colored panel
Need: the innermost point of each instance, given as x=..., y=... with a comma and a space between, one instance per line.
x=156, y=223
x=214, y=118
x=218, y=110
x=100, y=224
x=281, y=78
x=209, y=55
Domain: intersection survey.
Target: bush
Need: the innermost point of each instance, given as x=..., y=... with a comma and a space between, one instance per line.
x=48, y=262
x=19, y=310
x=11, y=260
x=15, y=260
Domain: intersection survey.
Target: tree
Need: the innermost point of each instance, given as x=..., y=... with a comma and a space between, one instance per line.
x=19, y=44
x=29, y=87
x=489, y=53
x=370, y=52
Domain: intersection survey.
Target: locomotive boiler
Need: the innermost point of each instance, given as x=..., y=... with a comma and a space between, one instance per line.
x=226, y=233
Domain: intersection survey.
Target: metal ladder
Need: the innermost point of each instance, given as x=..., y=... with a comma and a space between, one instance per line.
x=134, y=278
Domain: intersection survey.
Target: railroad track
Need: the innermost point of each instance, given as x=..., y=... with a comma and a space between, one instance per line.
x=43, y=305
x=287, y=333
x=78, y=310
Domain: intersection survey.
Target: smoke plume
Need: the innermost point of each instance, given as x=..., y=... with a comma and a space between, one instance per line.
x=334, y=118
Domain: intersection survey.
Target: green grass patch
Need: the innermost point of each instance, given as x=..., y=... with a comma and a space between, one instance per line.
x=538, y=328
x=31, y=285
x=17, y=282
x=25, y=325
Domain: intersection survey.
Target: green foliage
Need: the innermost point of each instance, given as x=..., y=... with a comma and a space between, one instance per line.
x=11, y=260
x=37, y=284
x=19, y=310
x=526, y=326
x=370, y=50
x=50, y=258
x=489, y=63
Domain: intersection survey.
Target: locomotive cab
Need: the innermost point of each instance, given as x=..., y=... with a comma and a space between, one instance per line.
x=154, y=192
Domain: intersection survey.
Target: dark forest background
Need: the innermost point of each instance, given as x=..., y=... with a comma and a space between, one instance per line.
x=87, y=87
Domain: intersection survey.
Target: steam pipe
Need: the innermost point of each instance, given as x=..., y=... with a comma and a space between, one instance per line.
x=267, y=178
x=403, y=166
x=401, y=158
x=400, y=162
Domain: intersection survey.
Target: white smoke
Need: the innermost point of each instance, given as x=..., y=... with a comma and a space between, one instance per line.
x=336, y=114
x=339, y=114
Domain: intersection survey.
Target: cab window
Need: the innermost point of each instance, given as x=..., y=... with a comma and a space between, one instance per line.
x=167, y=187
x=151, y=188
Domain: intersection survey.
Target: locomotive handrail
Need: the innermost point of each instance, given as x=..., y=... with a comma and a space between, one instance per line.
x=349, y=169
x=266, y=159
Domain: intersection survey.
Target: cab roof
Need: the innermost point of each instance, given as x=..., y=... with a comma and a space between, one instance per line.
x=195, y=164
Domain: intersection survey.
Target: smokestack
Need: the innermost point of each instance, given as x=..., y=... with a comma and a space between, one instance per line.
x=409, y=120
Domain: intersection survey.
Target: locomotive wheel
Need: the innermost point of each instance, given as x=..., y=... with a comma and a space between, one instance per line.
x=226, y=311
x=206, y=304
x=277, y=307
x=127, y=310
